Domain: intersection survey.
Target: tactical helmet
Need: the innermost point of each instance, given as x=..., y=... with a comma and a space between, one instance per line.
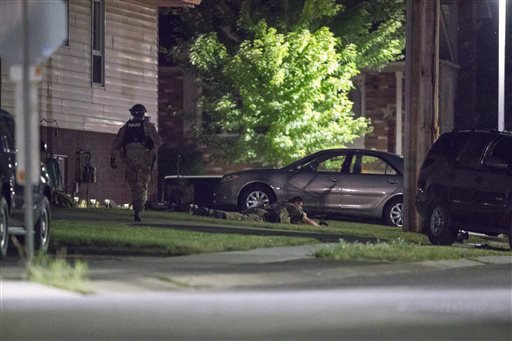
x=138, y=110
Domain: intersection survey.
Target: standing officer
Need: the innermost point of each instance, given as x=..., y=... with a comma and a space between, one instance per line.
x=137, y=142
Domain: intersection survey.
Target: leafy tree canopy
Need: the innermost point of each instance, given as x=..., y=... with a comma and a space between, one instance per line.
x=276, y=74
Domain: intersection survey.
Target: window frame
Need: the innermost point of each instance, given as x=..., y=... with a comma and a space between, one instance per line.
x=66, y=41
x=98, y=25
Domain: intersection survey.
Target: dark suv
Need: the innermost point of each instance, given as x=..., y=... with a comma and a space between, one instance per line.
x=11, y=194
x=465, y=183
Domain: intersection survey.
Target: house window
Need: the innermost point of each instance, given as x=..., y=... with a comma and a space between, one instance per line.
x=57, y=171
x=98, y=42
x=66, y=41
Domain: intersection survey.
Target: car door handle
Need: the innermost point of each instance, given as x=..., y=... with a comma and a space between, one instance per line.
x=478, y=179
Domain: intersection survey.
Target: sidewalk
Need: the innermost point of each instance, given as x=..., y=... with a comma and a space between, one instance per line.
x=280, y=268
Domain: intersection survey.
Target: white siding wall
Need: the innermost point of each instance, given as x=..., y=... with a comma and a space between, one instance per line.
x=131, y=57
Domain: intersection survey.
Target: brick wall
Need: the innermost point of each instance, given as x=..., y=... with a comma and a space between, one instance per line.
x=170, y=105
x=381, y=109
x=110, y=183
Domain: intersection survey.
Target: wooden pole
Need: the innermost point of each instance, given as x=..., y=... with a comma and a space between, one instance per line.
x=421, y=102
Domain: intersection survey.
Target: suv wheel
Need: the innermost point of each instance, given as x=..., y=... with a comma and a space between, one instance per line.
x=42, y=227
x=439, y=227
x=393, y=212
x=4, y=232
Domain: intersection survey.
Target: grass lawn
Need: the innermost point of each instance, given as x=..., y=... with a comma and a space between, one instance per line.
x=401, y=251
x=109, y=236
x=113, y=230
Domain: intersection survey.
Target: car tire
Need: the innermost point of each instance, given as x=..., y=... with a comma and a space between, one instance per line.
x=42, y=227
x=393, y=212
x=255, y=196
x=4, y=227
x=439, y=227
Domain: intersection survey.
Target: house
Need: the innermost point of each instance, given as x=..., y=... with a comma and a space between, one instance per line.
x=108, y=63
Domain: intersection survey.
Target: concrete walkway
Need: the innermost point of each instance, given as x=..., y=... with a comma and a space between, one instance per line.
x=279, y=268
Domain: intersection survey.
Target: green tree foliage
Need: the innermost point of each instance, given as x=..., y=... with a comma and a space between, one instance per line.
x=276, y=74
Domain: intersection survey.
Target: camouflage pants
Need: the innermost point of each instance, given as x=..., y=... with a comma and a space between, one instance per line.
x=138, y=175
x=252, y=214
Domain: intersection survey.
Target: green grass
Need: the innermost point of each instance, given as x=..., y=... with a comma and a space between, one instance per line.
x=400, y=251
x=355, y=229
x=140, y=240
x=56, y=271
x=113, y=230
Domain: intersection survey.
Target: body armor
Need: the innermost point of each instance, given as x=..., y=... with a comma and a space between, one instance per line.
x=134, y=132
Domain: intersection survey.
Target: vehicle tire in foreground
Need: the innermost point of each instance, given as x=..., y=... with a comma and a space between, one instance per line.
x=42, y=227
x=4, y=233
x=393, y=212
x=439, y=227
x=255, y=196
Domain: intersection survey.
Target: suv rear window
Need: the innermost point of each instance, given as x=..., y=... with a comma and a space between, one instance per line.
x=449, y=145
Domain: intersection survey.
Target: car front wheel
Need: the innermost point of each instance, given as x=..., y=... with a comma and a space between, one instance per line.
x=42, y=227
x=439, y=227
x=4, y=232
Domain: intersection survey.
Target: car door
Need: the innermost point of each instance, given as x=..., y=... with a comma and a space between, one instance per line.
x=368, y=183
x=464, y=178
x=493, y=186
x=318, y=181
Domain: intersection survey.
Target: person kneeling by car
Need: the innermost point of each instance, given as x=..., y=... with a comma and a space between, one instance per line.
x=286, y=213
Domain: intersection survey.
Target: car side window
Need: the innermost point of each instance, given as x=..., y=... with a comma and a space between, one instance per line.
x=502, y=151
x=472, y=151
x=369, y=164
x=332, y=164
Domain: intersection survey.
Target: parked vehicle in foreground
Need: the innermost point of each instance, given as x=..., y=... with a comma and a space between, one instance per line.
x=11, y=195
x=350, y=182
x=465, y=183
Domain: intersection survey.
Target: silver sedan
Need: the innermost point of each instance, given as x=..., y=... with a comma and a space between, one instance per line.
x=350, y=182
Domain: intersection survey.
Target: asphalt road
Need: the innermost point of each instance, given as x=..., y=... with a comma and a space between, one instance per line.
x=397, y=313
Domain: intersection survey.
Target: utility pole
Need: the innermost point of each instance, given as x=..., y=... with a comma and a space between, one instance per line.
x=421, y=91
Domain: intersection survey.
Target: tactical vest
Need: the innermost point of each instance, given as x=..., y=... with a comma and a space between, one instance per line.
x=134, y=132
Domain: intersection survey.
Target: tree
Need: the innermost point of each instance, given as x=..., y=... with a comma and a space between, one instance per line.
x=276, y=80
